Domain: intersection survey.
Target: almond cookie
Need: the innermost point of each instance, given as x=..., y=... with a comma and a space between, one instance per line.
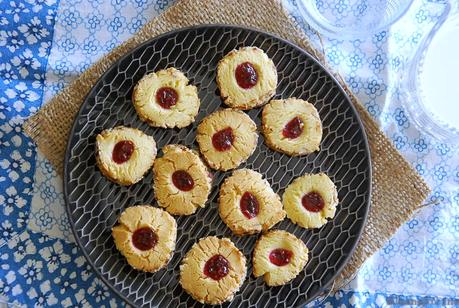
x=247, y=78
x=181, y=180
x=247, y=203
x=292, y=126
x=146, y=236
x=227, y=138
x=279, y=257
x=213, y=270
x=164, y=99
x=124, y=154
x=310, y=200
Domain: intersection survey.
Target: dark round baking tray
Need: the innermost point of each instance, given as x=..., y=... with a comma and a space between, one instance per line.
x=94, y=203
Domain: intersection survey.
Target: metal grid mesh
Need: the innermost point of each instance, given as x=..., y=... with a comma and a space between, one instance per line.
x=94, y=203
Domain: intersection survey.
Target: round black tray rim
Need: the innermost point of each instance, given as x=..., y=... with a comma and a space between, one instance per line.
x=210, y=26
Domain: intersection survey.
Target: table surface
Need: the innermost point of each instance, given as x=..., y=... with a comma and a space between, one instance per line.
x=45, y=44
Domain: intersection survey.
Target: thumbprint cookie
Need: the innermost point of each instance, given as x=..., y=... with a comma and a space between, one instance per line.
x=213, y=270
x=247, y=78
x=146, y=236
x=227, y=138
x=181, y=180
x=310, y=200
x=124, y=154
x=279, y=257
x=292, y=126
x=165, y=99
x=247, y=203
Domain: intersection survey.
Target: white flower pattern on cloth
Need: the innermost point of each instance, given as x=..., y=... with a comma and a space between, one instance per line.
x=44, y=44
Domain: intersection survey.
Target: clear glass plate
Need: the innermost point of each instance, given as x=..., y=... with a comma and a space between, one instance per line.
x=430, y=88
x=351, y=19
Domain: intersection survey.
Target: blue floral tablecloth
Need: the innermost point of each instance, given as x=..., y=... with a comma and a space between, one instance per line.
x=45, y=44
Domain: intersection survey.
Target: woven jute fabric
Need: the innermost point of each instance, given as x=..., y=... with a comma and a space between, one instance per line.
x=397, y=190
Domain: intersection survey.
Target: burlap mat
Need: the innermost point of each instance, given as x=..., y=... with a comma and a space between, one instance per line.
x=397, y=189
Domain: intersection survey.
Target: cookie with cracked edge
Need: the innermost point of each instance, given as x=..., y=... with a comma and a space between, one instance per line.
x=247, y=78
x=226, y=138
x=146, y=237
x=279, y=257
x=181, y=182
x=292, y=126
x=165, y=99
x=213, y=270
x=247, y=203
x=124, y=154
x=310, y=200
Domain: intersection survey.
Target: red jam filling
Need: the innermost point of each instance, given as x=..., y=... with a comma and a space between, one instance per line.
x=246, y=75
x=216, y=267
x=223, y=139
x=280, y=256
x=294, y=128
x=122, y=151
x=166, y=97
x=182, y=180
x=249, y=205
x=144, y=238
x=313, y=202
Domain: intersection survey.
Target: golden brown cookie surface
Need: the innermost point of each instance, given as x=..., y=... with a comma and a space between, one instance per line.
x=165, y=99
x=310, y=200
x=181, y=180
x=292, y=126
x=213, y=270
x=247, y=78
x=247, y=203
x=226, y=138
x=124, y=154
x=279, y=257
x=146, y=236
